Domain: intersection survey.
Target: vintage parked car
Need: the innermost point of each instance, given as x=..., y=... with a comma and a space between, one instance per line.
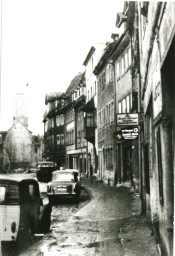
x=44, y=170
x=21, y=208
x=65, y=184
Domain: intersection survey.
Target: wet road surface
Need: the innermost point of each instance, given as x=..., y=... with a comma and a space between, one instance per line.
x=106, y=224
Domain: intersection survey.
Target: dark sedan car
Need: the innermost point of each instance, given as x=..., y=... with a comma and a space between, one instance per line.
x=64, y=184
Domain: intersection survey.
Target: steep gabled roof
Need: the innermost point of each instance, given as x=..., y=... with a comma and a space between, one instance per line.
x=75, y=82
x=52, y=96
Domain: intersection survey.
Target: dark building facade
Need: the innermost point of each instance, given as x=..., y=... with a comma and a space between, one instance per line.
x=54, y=129
x=104, y=71
x=76, y=144
x=157, y=61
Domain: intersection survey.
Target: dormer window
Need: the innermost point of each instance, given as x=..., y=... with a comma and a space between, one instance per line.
x=62, y=102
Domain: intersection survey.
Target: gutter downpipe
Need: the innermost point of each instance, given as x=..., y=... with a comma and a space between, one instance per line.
x=139, y=82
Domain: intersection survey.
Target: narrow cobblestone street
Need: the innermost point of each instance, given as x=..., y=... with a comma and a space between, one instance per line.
x=109, y=224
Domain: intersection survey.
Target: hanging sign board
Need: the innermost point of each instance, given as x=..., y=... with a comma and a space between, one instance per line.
x=127, y=119
x=130, y=133
x=127, y=134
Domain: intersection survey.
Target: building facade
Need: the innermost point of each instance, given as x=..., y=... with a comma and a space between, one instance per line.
x=157, y=53
x=76, y=144
x=90, y=108
x=104, y=71
x=54, y=129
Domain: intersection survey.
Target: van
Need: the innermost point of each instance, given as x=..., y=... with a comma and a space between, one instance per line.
x=20, y=207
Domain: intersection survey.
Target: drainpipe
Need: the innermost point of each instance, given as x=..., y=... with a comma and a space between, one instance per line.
x=114, y=129
x=141, y=169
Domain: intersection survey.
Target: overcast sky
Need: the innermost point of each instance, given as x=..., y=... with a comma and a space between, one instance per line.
x=44, y=43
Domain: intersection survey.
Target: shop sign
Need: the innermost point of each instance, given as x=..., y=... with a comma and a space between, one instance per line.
x=127, y=134
x=127, y=119
x=130, y=134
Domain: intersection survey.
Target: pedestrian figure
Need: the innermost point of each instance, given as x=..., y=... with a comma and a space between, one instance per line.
x=91, y=172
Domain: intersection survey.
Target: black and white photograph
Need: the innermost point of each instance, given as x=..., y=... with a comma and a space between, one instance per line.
x=87, y=128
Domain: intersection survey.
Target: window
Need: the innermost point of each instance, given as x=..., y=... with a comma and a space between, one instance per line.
x=126, y=61
x=58, y=120
x=112, y=111
x=62, y=102
x=62, y=120
x=46, y=126
x=2, y=194
x=109, y=116
x=118, y=70
x=58, y=139
x=120, y=107
x=62, y=139
x=124, y=106
x=99, y=119
x=95, y=86
x=52, y=123
x=123, y=67
x=31, y=192
x=130, y=96
x=127, y=104
x=103, y=117
x=90, y=119
x=13, y=194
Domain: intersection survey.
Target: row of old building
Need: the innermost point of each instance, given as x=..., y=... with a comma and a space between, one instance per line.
x=118, y=115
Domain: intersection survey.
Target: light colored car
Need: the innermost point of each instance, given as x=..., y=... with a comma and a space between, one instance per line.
x=65, y=183
x=21, y=208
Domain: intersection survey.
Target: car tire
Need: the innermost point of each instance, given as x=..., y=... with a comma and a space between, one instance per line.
x=51, y=200
x=77, y=198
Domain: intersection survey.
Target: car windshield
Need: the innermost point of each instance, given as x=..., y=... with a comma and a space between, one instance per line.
x=63, y=177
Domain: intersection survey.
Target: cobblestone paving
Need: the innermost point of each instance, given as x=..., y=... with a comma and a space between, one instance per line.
x=109, y=224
